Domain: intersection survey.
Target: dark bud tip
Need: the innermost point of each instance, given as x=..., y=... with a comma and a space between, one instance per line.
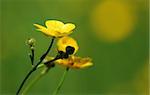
x=70, y=50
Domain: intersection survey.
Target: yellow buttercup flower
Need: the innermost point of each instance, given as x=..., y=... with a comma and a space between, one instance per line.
x=67, y=43
x=73, y=62
x=56, y=28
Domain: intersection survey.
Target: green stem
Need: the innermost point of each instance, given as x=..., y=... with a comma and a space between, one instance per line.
x=61, y=82
x=32, y=57
x=35, y=80
x=35, y=67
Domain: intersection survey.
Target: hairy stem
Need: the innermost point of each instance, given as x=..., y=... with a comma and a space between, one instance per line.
x=34, y=68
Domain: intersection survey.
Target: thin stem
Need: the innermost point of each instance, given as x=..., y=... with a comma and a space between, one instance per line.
x=61, y=82
x=34, y=68
x=32, y=60
x=44, y=55
x=35, y=80
x=32, y=56
x=49, y=65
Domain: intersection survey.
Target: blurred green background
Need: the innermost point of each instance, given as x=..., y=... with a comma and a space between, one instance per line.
x=114, y=33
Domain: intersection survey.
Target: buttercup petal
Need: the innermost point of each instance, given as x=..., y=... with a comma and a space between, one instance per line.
x=56, y=28
x=67, y=28
x=82, y=62
x=83, y=65
x=67, y=41
x=42, y=29
x=75, y=62
x=64, y=34
x=54, y=24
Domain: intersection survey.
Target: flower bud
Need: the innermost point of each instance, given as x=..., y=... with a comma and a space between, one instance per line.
x=31, y=42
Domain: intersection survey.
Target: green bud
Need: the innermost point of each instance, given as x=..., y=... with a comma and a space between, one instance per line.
x=31, y=42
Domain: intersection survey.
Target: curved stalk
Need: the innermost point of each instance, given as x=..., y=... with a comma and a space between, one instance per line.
x=35, y=67
x=61, y=82
x=35, y=80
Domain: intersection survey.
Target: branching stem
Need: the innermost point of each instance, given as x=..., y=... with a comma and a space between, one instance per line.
x=35, y=80
x=34, y=68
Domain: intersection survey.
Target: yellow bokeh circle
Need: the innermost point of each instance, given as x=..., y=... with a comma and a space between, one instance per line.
x=113, y=20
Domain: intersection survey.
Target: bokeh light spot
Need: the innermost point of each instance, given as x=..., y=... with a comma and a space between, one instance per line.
x=113, y=20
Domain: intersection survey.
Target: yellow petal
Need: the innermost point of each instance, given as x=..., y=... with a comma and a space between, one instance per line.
x=42, y=29
x=67, y=28
x=85, y=65
x=62, y=62
x=67, y=41
x=54, y=24
x=56, y=28
x=63, y=34
x=75, y=62
x=82, y=62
